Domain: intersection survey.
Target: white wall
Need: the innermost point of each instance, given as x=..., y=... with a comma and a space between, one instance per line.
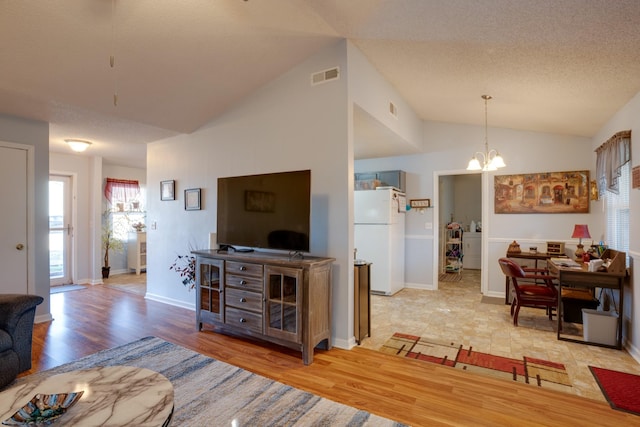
x=628, y=118
x=370, y=91
x=467, y=198
x=36, y=134
x=286, y=125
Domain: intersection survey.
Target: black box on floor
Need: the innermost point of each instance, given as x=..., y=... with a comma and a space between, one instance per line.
x=572, y=308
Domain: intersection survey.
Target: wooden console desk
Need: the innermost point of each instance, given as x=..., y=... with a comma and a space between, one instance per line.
x=536, y=256
x=582, y=278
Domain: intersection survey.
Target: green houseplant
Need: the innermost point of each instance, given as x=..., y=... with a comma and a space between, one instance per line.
x=110, y=243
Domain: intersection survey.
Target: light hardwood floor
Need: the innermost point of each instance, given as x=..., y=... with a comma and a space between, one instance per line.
x=411, y=392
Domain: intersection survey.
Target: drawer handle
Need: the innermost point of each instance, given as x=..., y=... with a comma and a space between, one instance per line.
x=243, y=320
x=243, y=282
x=243, y=300
x=243, y=268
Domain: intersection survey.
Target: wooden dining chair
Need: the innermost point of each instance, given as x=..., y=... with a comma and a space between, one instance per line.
x=541, y=293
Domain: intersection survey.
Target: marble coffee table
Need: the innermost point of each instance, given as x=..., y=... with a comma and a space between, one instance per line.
x=113, y=396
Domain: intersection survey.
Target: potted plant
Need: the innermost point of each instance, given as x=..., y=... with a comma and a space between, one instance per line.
x=109, y=243
x=185, y=266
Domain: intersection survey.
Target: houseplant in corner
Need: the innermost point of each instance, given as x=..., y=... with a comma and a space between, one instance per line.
x=110, y=243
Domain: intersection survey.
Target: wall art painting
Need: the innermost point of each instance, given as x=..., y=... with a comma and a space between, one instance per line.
x=168, y=190
x=192, y=197
x=548, y=192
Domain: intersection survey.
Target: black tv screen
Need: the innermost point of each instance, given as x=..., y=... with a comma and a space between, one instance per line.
x=269, y=211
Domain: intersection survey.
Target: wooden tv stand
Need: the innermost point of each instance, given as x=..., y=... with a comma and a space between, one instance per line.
x=265, y=295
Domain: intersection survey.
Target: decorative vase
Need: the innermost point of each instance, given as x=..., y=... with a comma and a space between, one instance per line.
x=105, y=272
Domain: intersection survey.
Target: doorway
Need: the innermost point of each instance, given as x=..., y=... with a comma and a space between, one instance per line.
x=60, y=230
x=459, y=196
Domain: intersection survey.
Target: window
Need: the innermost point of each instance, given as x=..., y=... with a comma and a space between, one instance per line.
x=613, y=176
x=123, y=191
x=125, y=205
x=617, y=213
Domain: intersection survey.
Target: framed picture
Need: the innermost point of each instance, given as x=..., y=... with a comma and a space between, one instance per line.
x=192, y=199
x=548, y=192
x=420, y=203
x=168, y=190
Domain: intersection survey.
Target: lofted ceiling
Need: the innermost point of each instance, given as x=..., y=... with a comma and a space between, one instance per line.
x=558, y=66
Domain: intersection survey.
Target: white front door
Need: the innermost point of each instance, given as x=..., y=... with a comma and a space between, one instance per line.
x=13, y=226
x=60, y=230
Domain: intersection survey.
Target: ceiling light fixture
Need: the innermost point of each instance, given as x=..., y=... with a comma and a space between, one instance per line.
x=78, y=145
x=491, y=159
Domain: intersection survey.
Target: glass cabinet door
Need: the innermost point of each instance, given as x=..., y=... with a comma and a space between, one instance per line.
x=283, y=301
x=209, y=301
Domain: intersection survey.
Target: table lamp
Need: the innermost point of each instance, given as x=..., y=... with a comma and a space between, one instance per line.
x=580, y=231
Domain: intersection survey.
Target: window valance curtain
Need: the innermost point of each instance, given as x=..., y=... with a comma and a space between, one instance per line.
x=122, y=190
x=610, y=157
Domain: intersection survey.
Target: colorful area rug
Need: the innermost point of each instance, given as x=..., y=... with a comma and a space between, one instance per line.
x=209, y=392
x=621, y=390
x=529, y=370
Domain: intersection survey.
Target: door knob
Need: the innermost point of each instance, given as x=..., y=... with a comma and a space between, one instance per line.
x=19, y=246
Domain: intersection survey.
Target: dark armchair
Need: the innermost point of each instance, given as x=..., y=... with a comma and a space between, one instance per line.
x=16, y=329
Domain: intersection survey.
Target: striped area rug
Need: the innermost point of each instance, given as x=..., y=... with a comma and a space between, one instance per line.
x=208, y=392
x=528, y=370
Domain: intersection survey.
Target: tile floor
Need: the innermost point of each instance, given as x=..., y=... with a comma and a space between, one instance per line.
x=456, y=314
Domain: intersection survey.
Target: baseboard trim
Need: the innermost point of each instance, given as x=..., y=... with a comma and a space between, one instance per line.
x=633, y=351
x=343, y=344
x=424, y=286
x=42, y=318
x=170, y=301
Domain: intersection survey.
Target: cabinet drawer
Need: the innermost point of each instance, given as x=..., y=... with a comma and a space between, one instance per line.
x=244, y=268
x=244, y=299
x=244, y=282
x=243, y=319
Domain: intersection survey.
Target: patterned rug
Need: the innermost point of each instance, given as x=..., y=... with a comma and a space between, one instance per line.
x=529, y=370
x=209, y=392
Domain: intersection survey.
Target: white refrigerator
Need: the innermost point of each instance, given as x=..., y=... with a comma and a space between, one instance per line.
x=379, y=236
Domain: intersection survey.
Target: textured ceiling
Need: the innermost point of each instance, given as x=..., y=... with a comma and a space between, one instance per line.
x=560, y=66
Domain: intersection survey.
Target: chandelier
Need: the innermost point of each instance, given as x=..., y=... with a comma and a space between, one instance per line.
x=491, y=159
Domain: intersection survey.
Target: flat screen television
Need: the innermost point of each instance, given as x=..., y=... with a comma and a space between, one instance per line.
x=270, y=211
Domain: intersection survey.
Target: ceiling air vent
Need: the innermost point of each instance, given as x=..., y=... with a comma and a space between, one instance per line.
x=325, y=76
x=393, y=109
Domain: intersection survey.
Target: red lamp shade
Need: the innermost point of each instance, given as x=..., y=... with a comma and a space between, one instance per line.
x=581, y=231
